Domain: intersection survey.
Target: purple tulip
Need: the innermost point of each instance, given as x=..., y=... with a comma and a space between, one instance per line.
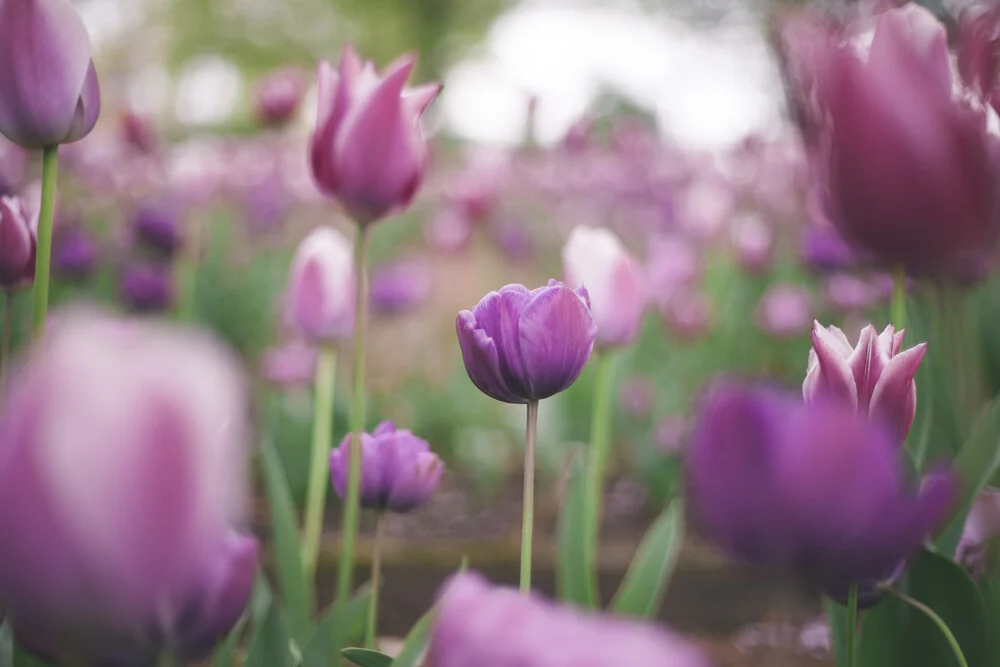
x=978, y=43
x=291, y=365
x=480, y=625
x=596, y=259
x=319, y=301
x=158, y=227
x=74, y=253
x=814, y=488
x=982, y=527
x=910, y=172
x=875, y=377
x=13, y=160
x=48, y=86
x=401, y=286
x=147, y=287
x=367, y=151
x=521, y=346
x=17, y=244
x=785, y=311
x=124, y=493
x=277, y=96
x=399, y=472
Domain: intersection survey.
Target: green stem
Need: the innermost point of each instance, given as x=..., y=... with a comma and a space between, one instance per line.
x=852, y=624
x=319, y=460
x=372, y=632
x=43, y=253
x=528, y=510
x=345, y=568
x=600, y=441
x=937, y=620
x=899, y=298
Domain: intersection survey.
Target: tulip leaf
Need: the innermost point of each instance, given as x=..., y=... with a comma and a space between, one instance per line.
x=977, y=462
x=296, y=590
x=364, y=657
x=253, y=615
x=415, y=644
x=272, y=644
x=836, y=618
x=22, y=658
x=337, y=627
x=645, y=583
x=895, y=634
x=990, y=589
x=575, y=575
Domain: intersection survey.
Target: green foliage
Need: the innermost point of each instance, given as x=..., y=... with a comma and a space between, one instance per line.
x=649, y=574
x=575, y=573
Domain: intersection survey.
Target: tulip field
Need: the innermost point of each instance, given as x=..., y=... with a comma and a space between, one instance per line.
x=333, y=383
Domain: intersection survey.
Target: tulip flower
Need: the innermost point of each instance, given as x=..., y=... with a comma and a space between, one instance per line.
x=522, y=346
x=368, y=152
x=814, y=488
x=74, y=253
x=17, y=244
x=875, y=377
x=147, y=287
x=978, y=44
x=480, y=625
x=124, y=493
x=319, y=302
x=399, y=471
x=48, y=87
x=158, y=227
x=291, y=365
x=982, y=527
x=596, y=259
x=909, y=171
x=277, y=96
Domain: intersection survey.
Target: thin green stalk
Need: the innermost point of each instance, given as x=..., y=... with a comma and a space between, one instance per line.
x=319, y=460
x=852, y=625
x=372, y=631
x=937, y=620
x=345, y=568
x=528, y=511
x=43, y=253
x=600, y=442
x=899, y=298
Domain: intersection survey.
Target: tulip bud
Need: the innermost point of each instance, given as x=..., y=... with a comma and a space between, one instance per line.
x=982, y=527
x=48, y=87
x=816, y=489
x=398, y=470
x=124, y=494
x=158, y=228
x=319, y=302
x=521, y=346
x=277, y=96
x=479, y=625
x=368, y=152
x=596, y=259
x=17, y=245
x=147, y=287
x=875, y=377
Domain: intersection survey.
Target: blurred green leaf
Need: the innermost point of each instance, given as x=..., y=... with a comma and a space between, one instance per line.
x=836, y=617
x=337, y=628
x=365, y=657
x=271, y=644
x=415, y=644
x=648, y=576
x=575, y=577
x=296, y=590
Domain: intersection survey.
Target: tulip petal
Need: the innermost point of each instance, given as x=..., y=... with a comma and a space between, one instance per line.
x=866, y=364
x=894, y=399
x=419, y=98
x=88, y=108
x=482, y=362
x=837, y=380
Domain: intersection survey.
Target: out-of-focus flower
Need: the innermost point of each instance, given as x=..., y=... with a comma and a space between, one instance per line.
x=368, y=152
x=595, y=258
x=146, y=287
x=399, y=472
x=523, y=345
x=158, y=227
x=978, y=42
x=814, y=488
x=672, y=265
x=138, y=132
x=513, y=237
x=401, y=286
x=785, y=311
x=448, y=231
x=74, y=252
x=319, y=301
x=981, y=527
x=17, y=245
x=125, y=493
x=636, y=395
x=480, y=625
x=875, y=377
x=910, y=173
x=277, y=96
x=579, y=135
x=851, y=294
x=753, y=243
x=688, y=315
x=671, y=435
x=290, y=365
x=823, y=249
x=48, y=87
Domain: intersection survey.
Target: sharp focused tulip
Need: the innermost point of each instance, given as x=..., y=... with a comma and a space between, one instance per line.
x=479, y=625
x=368, y=152
x=399, y=472
x=814, y=488
x=124, y=493
x=319, y=302
x=523, y=345
x=17, y=244
x=875, y=377
x=596, y=259
x=911, y=174
x=48, y=87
